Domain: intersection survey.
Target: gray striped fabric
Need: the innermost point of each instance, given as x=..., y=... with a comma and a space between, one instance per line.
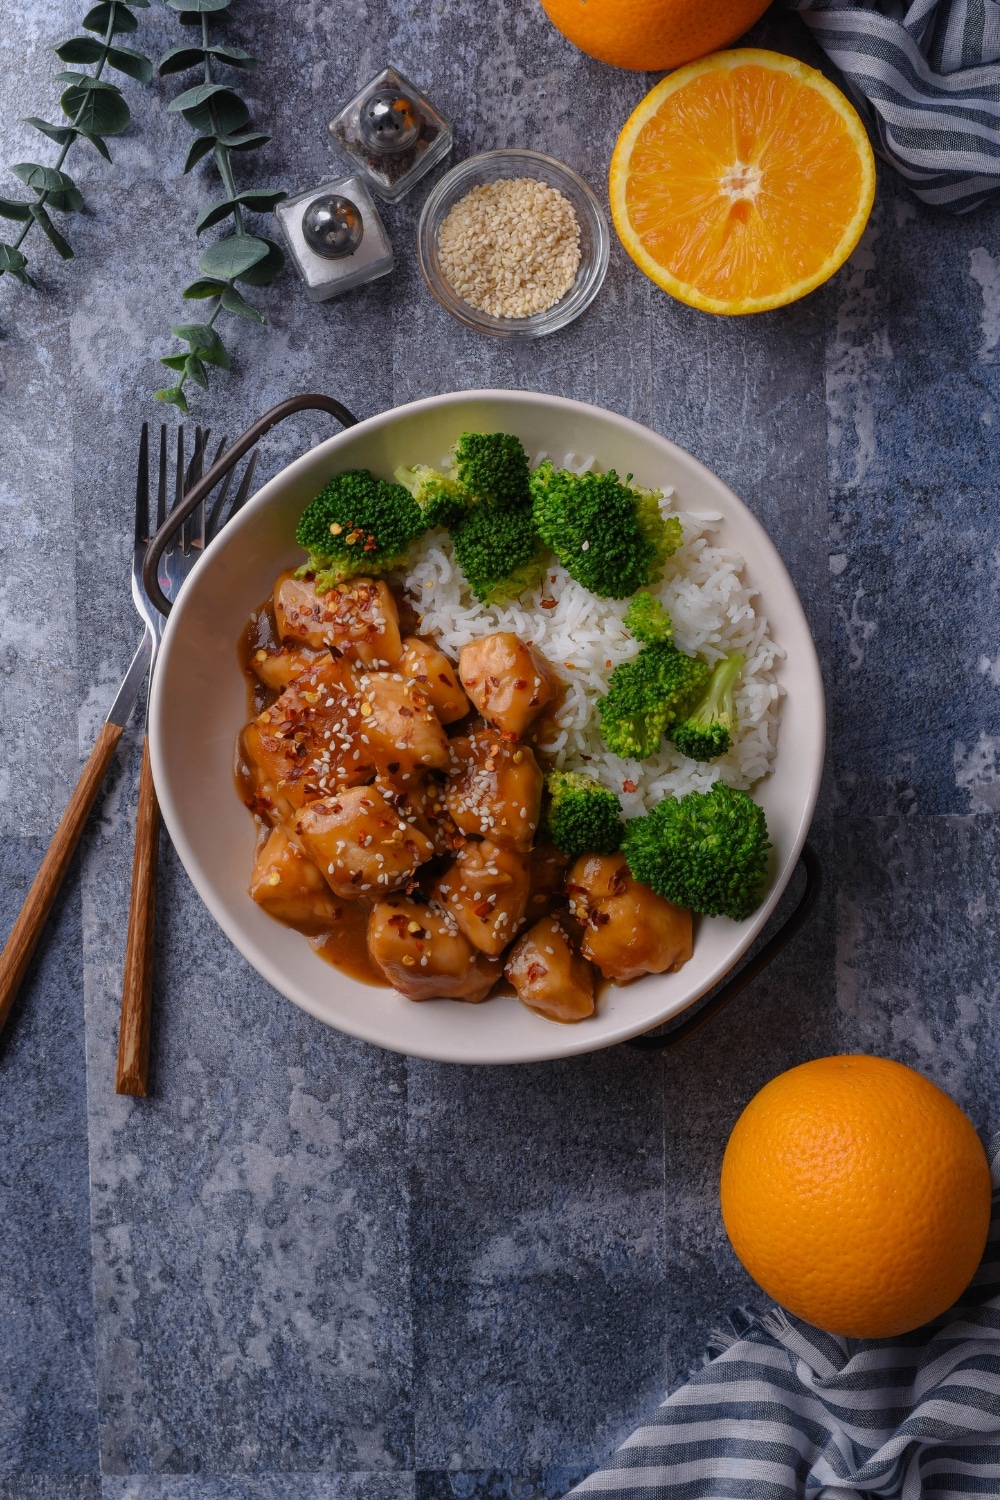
x=926, y=79
x=789, y=1413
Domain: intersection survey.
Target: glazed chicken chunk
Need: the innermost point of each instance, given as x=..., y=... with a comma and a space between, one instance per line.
x=434, y=674
x=508, y=681
x=629, y=930
x=360, y=842
x=289, y=887
x=277, y=669
x=359, y=617
x=495, y=788
x=306, y=743
x=485, y=890
x=549, y=975
x=399, y=729
x=421, y=951
x=423, y=805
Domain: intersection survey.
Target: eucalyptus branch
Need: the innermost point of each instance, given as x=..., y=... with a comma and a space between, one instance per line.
x=222, y=120
x=94, y=108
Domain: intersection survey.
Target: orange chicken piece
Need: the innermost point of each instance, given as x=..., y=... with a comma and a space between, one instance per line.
x=276, y=669
x=434, y=674
x=629, y=930
x=359, y=617
x=508, y=681
x=495, y=788
x=399, y=729
x=549, y=975
x=485, y=890
x=360, y=843
x=289, y=887
x=422, y=953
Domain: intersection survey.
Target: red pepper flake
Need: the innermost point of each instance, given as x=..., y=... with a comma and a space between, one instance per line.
x=607, y=663
x=629, y=786
x=548, y=603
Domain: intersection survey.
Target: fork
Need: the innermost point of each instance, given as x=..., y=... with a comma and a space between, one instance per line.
x=178, y=558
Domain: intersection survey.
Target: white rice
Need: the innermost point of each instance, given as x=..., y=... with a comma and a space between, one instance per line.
x=583, y=637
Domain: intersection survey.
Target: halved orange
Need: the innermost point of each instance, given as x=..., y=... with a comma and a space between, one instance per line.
x=742, y=181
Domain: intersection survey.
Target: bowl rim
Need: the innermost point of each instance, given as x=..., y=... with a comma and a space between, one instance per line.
x=563, y=1041
x=562, y=313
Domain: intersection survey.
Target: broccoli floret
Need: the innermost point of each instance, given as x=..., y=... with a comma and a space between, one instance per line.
x=497, y=550
x=583, y=817
x=440, y=497
x=609, y=536
x=357, y=524
x=708, y=731
x=648, y=621
x=646, y=695
x=492, y=467
x=706, y=851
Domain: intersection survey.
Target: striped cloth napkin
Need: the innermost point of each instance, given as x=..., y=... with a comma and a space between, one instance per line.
x=788, y=1413
x=924, y=76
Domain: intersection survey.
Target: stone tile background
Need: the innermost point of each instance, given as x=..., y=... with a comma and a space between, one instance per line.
x=304, y=1267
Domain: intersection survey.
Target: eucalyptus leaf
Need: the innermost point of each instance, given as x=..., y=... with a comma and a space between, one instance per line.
x=179, y=59
x=97, y=143
x=198, y=335
x=69, y=201
x=100, y=18
x=45, y=224
x=214, y=214
x=249, y=142
x=216, y=355
x=15, y=208
x=80, y=49
x=194, y=96
x=261, y=200
x=193, y=18
x=195, y=370
x=264, y=271
x=134, y=64
x=14, y=263
x=174, y=361
x=224, y=113
x=232, y=302
x=99, y=110
x=42, y=179
x=234, y=257
x=234, y=56
x=205, y=286
x=175, y=396
x=198, y=7
x=200, y=147
x=58, y=133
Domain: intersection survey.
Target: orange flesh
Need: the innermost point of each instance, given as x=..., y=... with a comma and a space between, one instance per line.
x=743, y=183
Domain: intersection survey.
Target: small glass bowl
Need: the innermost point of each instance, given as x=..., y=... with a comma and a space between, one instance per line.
x=492, y=166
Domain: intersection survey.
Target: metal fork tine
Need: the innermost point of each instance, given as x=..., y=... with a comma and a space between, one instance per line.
x=243, y=493
x=161, y=488
x=142, y=490
x=218, y=504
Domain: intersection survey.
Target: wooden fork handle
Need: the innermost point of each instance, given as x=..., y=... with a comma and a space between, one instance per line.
x=45, y=887
x=137, y=984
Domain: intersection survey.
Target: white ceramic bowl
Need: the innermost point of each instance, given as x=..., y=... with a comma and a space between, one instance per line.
x=199, y=703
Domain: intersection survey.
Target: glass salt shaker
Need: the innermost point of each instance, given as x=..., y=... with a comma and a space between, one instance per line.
x=335, y=237
x=392, y=132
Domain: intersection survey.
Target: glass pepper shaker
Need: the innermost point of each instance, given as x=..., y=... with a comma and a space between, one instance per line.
x=392, y=132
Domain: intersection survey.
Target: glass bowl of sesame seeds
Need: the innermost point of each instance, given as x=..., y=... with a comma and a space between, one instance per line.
x=513, y=243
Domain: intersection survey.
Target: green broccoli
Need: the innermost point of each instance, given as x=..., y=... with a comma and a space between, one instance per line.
x=609, y=536
x=646, y=695
x=648, y=621
x=706, y=851
x=357, y=524
x=497, y=549
x=708, y=731
x=440, y=497
x=492, y=468
x=583, y=817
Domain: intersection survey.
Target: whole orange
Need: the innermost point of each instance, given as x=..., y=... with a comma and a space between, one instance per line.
x=857, y=1194
x=652, y=34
